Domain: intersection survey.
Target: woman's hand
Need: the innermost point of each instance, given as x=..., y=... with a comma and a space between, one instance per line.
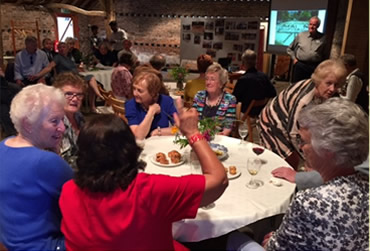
x=154, y=109
x=266, y=239
x=286, y=173
x=186, y=120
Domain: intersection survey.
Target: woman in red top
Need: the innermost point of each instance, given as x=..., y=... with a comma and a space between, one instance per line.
x=111, y=206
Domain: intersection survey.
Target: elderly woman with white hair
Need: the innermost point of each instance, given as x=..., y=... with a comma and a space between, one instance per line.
x=32, y=177
x=278, y=120
x=214, y=102
x=334, y=137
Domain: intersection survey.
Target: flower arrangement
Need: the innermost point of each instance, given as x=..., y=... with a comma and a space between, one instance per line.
x=207, y=126
x=179, y=73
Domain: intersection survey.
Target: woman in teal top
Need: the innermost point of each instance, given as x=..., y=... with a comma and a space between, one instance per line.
x=214, y=102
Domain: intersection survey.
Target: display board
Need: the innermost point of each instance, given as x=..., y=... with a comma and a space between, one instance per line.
x=222, y=37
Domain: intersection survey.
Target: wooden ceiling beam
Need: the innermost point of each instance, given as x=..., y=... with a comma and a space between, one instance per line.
x=76, y=9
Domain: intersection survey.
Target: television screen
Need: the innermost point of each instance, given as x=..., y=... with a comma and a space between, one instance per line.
x=285, y=23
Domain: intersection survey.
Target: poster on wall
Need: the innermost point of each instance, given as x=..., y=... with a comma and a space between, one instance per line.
x=223, y=38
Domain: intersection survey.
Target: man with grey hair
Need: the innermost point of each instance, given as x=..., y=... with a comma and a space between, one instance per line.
x=252, y=84
x=307, y=51
x=29, y=62
x=157, y=61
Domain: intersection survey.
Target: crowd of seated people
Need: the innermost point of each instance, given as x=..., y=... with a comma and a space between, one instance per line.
x=52, y=137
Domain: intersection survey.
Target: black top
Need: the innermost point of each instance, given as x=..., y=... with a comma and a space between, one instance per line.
x=253, y=85
x=108, y=59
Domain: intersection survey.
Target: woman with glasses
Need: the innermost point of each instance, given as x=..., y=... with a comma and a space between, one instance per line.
x=278, y=120
x=334, y=138
x=73, y=87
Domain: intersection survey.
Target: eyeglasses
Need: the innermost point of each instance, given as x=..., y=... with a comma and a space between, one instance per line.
x=71, y=95
x=300, y=142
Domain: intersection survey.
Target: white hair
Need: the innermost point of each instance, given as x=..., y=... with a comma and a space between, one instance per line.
x=31, y=101
x=340, y=127
x=222, y=73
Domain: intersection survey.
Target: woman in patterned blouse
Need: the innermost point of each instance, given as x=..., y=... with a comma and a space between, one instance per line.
x=278, y=120
x=214, y=102
x=73, y=87
x=334, y=137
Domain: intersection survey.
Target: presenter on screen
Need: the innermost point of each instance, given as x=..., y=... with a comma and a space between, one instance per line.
x=307, y=50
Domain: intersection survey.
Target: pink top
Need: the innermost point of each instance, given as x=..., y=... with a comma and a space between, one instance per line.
x=121, y=82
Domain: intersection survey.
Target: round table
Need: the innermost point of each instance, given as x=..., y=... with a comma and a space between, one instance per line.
x=239, y=205
x=102, y=76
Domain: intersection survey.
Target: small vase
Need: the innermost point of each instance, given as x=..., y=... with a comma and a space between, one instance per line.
x=180, y=85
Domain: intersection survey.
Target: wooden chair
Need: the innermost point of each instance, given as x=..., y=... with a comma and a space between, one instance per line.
x=233, y=77
x=105, y=94
x=118, y=107
x=238, y=109
x=106, y=97
x=246, y=117
x=229, y=87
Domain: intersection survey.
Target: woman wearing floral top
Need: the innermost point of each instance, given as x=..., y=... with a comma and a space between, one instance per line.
x=335, y=215
x=214, y=102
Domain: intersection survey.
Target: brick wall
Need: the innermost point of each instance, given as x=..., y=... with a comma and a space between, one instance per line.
x=25, y=24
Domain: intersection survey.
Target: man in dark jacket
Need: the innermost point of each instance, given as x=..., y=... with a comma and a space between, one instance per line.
x=252, y=84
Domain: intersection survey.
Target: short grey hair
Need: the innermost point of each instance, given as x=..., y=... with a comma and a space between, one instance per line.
x=338, y=126
x=31, y=101
x=249, y=58
x=326, y=67
x=71, y=39
x=222, y=73
x=318, y=19
x=30, y=39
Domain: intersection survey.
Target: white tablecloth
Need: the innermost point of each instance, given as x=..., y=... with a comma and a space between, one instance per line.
x=239, y=205
x=103, y=76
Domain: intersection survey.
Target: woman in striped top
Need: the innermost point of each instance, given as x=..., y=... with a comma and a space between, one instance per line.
x=214, y=102
x=278, y=120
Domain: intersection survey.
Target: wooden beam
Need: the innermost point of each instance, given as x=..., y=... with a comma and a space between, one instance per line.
x=76, y=9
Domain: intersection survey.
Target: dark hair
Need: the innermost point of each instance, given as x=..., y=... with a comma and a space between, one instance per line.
x=126, y=58
x=107, y=155
x=157, y=62
x=44, y=41
x=349, y=59
x=69, y=78
x=203, y=62
x=112, y=23
x=94, y=27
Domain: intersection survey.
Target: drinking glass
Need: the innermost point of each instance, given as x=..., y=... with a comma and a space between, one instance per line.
x=258, y=150
x=253, y=167
x=243, y=131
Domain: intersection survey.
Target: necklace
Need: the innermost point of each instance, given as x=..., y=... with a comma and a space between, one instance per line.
x=215, y=104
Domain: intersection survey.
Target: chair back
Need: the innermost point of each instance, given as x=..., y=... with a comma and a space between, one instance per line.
x=229, y=87
x=118, y=107
x=238, y=109
x=247, y=117
x=105, y=94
